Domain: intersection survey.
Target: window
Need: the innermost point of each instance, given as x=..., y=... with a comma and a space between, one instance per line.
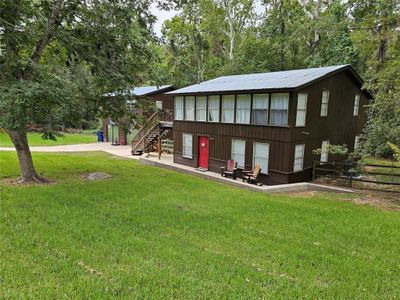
x=159, y=105
x=356, y=105
x=260, y=109
x=298, y=158
x=279, y=109
x=213, y=108
x=228, y=109
x=261, y=156
x=130, y=105
x=178, y=108
x=324, y=103
x=187, y=145
x=243, y=104
x=189, y=108
x=201, y=108
x=301, y=109
x=324, y=151
x=238, y=149
x=356, y=141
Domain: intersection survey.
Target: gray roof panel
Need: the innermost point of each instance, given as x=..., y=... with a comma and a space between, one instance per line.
x=260, y=81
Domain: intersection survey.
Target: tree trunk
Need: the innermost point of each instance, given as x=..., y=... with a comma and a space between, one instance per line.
x=28, y=172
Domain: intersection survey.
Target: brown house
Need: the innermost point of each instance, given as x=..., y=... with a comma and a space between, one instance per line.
x=165, y=103
x=272, y=119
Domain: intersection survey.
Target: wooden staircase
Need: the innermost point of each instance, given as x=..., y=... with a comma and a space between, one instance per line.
x=150, y=138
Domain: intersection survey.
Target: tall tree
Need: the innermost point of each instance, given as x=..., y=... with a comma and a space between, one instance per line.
x=52, y=52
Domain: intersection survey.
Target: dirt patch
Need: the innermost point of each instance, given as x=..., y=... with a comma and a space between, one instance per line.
x=382, y=199
x=96, y=176
x=17, y=182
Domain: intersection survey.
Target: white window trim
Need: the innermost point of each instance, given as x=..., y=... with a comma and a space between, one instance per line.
x=258, y=109
x=180, y=98
x=302, y=158
x=218, y=108
x=273, y=109
x=326, y=153
x=183, y=145
x=247, y=110
x=244, y=153
x=254, y=148
x=201, y=109
x=356, y=142
x=322, y=112
x=303, y=109
x=223, y=110
x=185, y=115
x=356, y=107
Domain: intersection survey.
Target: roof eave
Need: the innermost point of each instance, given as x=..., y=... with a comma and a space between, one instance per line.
x=288, y=89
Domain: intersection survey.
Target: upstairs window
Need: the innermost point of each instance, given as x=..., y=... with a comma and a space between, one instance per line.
x=238, y=151
x=159, y=105
x=201, y=108
x=324, y=103
x=178, y=108
x=261, y=156
x=213, y=108
x=243, y=104
x=356, y=105
x=187, y=150
x=228, y=109
x=279, y=109
x=189, y=108
x=324, y=151
x=260, y=109
x=298, y=158
x=301, y=109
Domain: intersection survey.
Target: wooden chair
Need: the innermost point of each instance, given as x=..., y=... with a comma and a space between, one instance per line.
x=230, y=170
x=252, y=176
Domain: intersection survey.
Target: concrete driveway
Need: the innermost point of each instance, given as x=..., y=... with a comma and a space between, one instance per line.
x=123, y=151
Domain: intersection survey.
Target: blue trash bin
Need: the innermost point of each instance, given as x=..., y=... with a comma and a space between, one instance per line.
x=100, y=136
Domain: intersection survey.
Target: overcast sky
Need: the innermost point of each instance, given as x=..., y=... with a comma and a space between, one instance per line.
x=163, y=15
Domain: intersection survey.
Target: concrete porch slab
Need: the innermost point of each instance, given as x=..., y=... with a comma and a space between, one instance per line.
x=166, y=162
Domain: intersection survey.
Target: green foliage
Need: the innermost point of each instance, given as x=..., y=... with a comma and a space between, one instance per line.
x=55, y=73
x=340, y=150
x=395, y=149
x=36, y=139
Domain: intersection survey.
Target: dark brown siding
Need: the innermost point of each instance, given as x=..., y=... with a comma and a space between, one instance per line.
x=220, y=145
x=339, y=127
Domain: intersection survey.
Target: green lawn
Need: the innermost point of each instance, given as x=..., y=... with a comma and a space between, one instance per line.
x=35, y=139
x=153, y=233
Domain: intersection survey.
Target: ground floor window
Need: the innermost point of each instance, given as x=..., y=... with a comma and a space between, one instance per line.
x=261, y=156
x=238, y=150
x=356, y=141
x=324, y=151
x=187, y=145
x=298, y=157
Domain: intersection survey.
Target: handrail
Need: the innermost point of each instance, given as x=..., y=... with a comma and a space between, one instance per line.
x=143, y=128
x=143, y=137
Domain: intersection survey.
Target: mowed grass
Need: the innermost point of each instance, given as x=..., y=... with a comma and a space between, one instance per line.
x=153, y=233
x=35, y=139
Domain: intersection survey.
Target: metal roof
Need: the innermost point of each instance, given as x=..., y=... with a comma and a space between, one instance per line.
x=142, y=91
x=262, y=81
x=145, y=90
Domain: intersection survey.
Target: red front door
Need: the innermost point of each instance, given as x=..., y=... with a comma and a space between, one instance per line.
x=203, y=152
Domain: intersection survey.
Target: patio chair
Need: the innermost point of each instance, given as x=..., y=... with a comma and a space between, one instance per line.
x=230, y=170
x=252, y=176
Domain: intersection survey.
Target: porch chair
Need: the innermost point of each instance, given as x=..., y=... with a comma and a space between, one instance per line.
x=252, y=176
x=230, y=170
